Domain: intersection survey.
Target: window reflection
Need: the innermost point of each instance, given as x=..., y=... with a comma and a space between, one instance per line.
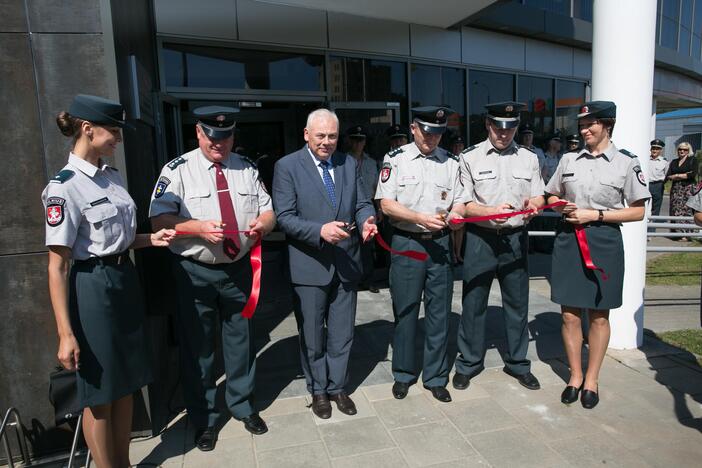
x=484, y=88
x=570, y=95
x=537, y=94
x=442, y=86
x=219, y=67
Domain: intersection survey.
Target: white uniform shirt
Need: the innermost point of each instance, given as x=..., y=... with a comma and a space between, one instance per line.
x=89, y=210
x=599, y=183
x=492, y=177
x=695, y=201
x=657, y=168
x=187, y=188
x=427, y=184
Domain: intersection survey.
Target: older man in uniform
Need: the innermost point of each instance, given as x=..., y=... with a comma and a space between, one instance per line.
x=210, y=193
x=420, y=191
x=368, y=169
x=657, y=167
x=499, y=176
x=325, y=211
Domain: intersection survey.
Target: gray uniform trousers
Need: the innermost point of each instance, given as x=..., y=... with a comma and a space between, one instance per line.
x=488, y=254
x=410, y=278
x=324, y=352
x=208, y=296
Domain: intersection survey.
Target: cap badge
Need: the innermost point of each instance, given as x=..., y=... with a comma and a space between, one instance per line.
x=584, y=109
x=439, y=114
x=509, y=109
x=444, y=195
x=220, y=118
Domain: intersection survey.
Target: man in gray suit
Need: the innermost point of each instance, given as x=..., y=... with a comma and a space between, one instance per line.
x=320, y=199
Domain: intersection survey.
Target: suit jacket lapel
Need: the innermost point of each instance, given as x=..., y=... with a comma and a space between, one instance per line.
x=313, y=173
x=338, y=160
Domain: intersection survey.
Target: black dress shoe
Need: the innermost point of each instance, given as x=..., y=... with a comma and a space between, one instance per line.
x=570, y=394
x=589, y=399
x=373, y=288
x=254, y=424
x=344, y=403
x=400, y=389
x=526, y=380
x=321, y=406
x=460, y=381
x=206, y=439
x=440, y=393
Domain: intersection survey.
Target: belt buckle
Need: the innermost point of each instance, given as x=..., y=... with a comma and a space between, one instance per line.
x=120, y=259
x=425, y=236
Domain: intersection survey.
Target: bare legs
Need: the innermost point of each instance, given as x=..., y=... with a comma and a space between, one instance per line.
x=107, y=429
x=598, y=339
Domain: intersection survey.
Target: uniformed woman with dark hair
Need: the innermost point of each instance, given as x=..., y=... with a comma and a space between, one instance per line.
x=91, y=222
x=604, y=187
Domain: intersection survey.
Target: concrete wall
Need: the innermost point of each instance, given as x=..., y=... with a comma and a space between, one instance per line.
x=41, y=72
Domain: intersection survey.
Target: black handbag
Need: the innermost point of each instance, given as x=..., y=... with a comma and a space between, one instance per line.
x=63, y=395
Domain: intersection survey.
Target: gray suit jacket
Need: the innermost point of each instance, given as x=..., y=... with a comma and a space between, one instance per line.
x=302, y=206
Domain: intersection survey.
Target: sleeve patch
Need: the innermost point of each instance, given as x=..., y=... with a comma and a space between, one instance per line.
x=628, y=153
x=640, y=175
x=62, y=176
x=55, y=211
x=385, y=172
x=161, y=185
x=175, y=163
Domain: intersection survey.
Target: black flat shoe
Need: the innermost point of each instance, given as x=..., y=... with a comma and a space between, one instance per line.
x=400, y=389
x=460, y=381
x=589, y=399
x=206, y=439
x=254, y=424
x=570, y=394
x=440, y=393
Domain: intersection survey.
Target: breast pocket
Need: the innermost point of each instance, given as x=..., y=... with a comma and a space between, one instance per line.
x=104, y=222
x=610, y=189
x=443, y=193
x=521, y=182
x=407, y=190
x=485, y=182
x=196, y=203
x=247, y=201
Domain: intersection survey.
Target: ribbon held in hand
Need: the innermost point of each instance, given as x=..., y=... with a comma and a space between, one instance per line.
x=477, y=219
x=256, y=264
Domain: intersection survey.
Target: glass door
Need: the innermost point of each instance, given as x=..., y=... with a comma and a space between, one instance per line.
x=376, y=117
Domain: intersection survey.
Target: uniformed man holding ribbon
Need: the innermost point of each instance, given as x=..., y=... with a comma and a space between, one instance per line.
x=420, y=191
x=499, y=176
x=216, y=201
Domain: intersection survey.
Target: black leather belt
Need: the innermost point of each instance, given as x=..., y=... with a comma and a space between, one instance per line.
x=422, y=235
x=506, y=231
x=116, y=259
x=656, y=182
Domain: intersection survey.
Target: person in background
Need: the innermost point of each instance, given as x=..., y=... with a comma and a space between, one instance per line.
x=683, y=173
x=552, y=156
x=457, y=145
x=398, y=135
x=572, y=143
x=603, y=186
x=657, y=169
x=526, y=139
x=367, y=167
x=93, y=285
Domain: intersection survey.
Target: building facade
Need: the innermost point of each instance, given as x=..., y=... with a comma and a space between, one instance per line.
x=275, y=61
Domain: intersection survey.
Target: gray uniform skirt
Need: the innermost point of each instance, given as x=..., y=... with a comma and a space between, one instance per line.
x=107, y=316
x=574, y=285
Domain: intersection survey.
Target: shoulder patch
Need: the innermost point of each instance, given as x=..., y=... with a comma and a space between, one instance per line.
x=639, y=175
x=62, y=176
x=161, y=186
x=627, y=153
x=385, y=172
x=469, y=149
x=55, y=211
x=175, y=163
x=395, y=152
x=527, y=148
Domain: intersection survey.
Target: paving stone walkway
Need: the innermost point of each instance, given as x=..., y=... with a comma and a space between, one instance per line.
x=650, y=412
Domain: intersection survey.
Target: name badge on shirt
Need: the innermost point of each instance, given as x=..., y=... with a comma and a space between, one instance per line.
x=100, y=201
x=569, y=174
x=484, y=172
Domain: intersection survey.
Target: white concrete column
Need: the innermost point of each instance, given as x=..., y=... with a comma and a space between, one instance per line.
x=623, y=51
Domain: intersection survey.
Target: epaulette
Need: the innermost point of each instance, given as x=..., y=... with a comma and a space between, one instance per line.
x=627, y=152
x=452, y=156
x=175, y=163
x=62, y=176
x=527, y=148
x=395, y=152
x=249, y=160
x=470, y=148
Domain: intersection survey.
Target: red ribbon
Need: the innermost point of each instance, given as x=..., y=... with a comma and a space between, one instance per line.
x=256, y=264
x=585, y=251
x=476, y=219
x=421, y=256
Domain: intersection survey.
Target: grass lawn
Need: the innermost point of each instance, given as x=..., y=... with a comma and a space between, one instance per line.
x=689, y=340
x=678, y=269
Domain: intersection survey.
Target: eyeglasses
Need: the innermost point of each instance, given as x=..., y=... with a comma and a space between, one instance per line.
x=683, y=150
x=582, y=127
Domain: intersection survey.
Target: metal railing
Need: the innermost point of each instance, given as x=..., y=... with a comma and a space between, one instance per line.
x=17, y=424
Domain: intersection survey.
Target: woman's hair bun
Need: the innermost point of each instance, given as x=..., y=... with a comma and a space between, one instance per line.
x=66, y=123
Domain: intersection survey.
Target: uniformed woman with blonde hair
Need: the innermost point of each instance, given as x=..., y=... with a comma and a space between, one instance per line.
x=90, y=227
x=604, y=187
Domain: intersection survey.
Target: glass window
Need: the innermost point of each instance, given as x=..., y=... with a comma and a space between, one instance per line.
x=219, y=67
x=684, y=47
x=444, y=86
x=484, y=88
x=669, y=33
x=426, y=85
x=570, y=95
x=696, y=49
x=582, y=9
x=561, y=7
x=537, y=94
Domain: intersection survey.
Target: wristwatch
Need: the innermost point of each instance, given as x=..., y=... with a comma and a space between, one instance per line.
x=600, y=218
